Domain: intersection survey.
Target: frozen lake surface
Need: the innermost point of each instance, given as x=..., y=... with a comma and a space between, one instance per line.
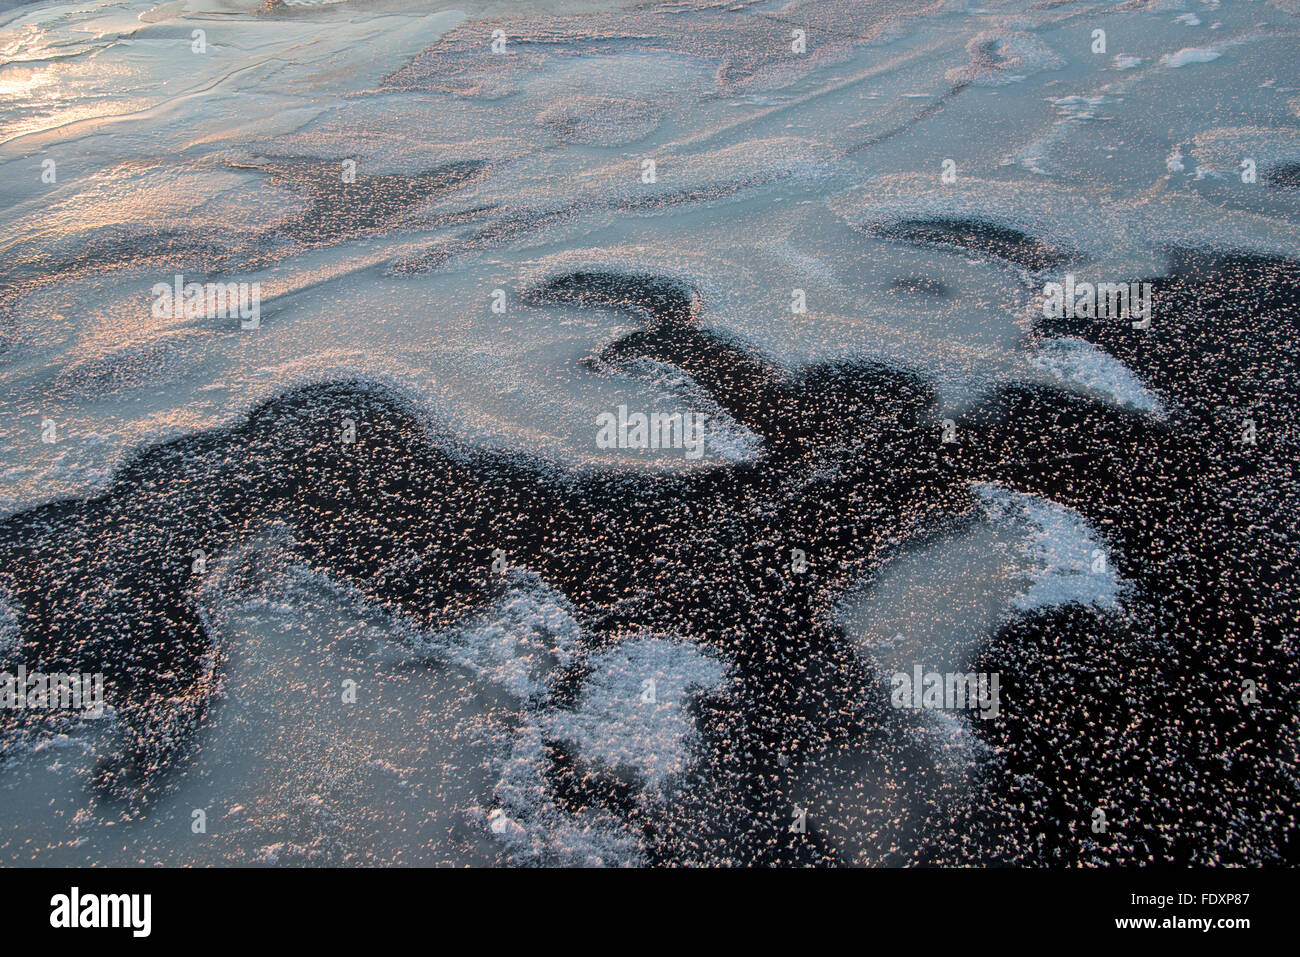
x=367, y=583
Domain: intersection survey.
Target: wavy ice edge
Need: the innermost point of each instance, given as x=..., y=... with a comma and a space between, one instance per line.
x=935, y=605
x=1082, y=365
x=658, y=81
x=724, y=437
x=525, y=635
x=1220, y=151
x=1060, y=551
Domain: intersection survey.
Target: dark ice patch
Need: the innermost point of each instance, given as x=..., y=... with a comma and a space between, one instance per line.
x=978, y=236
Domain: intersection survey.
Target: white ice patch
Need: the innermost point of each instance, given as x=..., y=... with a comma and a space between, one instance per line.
x=164, y=11
x=715, y=172
x=793, y=260
x=935, y=604
x=1080, y=107
x=1081, y=364
x=633, y=709
x=1062, y=558
x=1156, y=6
x=1190, y=55
x=526, y=636
x=782, y=74
x=1005, y=55
x=632, y=717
